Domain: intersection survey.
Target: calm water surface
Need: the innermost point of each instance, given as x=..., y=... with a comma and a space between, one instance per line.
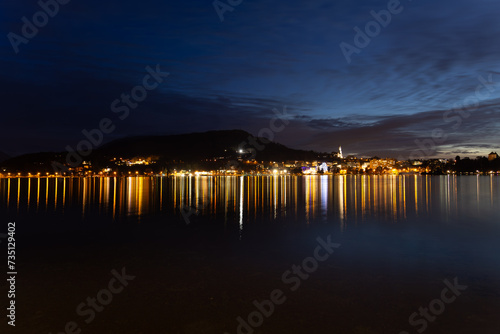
x=400, y=237
x=247, y=200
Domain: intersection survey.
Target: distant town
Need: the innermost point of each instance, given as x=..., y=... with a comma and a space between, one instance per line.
x=241, y=162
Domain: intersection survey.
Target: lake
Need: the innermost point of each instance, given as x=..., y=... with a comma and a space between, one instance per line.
x=257, y=200
x=204, y=248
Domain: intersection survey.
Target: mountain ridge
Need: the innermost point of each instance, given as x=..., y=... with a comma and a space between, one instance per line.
x=4, y=156
x=194, y=148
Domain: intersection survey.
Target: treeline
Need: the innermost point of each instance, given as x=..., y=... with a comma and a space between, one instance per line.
x=481, y=164
x=465, y=166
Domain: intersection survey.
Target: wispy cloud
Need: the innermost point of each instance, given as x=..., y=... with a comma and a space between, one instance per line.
x=231, y=75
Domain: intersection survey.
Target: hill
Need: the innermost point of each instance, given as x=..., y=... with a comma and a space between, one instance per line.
x=190, y=148
x=3, y=156
x=200, y=146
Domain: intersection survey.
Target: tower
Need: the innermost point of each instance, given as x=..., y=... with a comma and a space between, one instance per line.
x=341, y=156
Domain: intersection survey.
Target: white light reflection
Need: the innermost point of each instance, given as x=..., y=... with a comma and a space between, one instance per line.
x=324, y=196
x=241, y=205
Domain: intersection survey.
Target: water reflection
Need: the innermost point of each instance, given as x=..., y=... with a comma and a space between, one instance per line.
x=262, y=199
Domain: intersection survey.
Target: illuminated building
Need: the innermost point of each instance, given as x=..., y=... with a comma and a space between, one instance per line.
x=383, y=163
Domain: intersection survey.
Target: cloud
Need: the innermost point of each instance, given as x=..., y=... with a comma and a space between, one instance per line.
x=231, y=75
x=397, y=135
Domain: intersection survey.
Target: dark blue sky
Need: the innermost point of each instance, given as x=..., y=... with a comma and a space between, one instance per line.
x=406, y=86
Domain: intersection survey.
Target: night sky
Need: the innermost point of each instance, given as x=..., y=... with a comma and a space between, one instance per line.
x=430, y=76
